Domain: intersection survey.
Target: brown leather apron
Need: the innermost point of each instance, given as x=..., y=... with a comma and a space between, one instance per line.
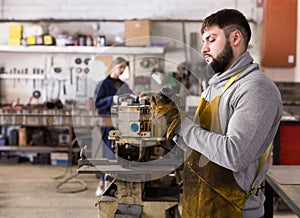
x=210, y=190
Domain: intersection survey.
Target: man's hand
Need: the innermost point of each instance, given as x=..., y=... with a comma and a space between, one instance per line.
x=165, y=111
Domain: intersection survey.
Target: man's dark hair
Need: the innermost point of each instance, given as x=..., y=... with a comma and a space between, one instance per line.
x=229, y=20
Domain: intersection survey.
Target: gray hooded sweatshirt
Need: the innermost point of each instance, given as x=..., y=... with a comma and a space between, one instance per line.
x=249, y=111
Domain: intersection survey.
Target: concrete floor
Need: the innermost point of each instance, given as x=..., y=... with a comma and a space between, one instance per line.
x=29, y=191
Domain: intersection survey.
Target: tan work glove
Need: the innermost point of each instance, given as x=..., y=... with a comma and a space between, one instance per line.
x=165, y=112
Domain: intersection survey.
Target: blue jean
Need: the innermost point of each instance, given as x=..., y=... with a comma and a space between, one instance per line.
x=107, y=150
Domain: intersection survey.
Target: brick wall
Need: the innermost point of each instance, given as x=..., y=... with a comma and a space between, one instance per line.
x=120, y=10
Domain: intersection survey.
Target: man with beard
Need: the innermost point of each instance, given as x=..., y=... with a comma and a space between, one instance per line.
x=233, y=128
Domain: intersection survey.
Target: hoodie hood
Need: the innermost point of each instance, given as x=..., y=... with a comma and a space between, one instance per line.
x=243, y=63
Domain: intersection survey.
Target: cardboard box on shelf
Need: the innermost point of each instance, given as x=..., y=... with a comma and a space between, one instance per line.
x=15, y=34
x=24, y=136
x=137, y=32
x=59, y=158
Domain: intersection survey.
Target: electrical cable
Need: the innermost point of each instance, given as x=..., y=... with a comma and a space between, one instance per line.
x=72, y=176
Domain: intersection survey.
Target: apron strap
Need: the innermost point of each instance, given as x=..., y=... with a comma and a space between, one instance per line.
x=229, y=82
x=262, y=163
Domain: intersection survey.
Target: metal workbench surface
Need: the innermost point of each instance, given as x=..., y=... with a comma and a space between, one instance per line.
x=285, y=181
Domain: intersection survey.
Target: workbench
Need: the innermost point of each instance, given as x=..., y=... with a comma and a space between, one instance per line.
x=133, y=196
x=285, y=181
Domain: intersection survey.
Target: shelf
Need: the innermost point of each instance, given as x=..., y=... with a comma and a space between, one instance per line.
x=83, y=49
x=39, y=149
x=35, y=117
x=22, y=76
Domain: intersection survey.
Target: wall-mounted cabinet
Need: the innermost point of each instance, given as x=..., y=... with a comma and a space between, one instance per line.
x=279, y=35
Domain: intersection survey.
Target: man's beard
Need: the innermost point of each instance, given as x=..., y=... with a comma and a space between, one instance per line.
x=220, y=63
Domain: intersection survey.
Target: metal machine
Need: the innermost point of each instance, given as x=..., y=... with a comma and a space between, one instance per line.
x=145, y=177
x=135, y=134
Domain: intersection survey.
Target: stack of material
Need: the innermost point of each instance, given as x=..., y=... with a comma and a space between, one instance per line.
x=15, y=34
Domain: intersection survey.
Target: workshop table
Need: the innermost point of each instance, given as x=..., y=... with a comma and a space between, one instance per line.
x=285, y=181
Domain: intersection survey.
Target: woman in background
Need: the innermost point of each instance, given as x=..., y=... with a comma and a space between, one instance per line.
x=105, y=91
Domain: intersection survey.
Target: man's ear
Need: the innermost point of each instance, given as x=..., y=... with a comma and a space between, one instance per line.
x=236, y=38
